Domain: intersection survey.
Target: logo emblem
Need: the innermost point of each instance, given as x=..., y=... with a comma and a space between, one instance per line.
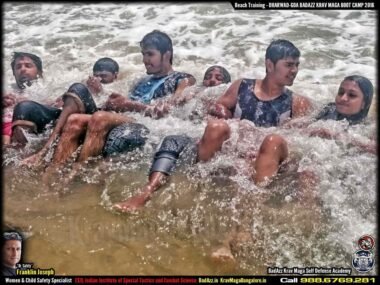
x=363, y=260
x=366, y=242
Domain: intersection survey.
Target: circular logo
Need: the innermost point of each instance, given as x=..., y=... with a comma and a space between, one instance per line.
x=366, y=242
x=363, y=260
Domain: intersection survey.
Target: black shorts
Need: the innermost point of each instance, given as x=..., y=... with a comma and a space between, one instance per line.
x=124, y=138
x=35, y=113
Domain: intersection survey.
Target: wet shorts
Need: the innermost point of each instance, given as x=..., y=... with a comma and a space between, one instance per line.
x=34, y=114
x=173, y=148
x=124, y=138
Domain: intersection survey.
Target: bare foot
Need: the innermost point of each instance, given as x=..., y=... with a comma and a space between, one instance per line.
x=132, y=204
x=223, y=254
x=33, y=160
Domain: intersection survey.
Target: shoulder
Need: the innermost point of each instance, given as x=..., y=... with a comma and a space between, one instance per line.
x=301, y=105
x=327, y=112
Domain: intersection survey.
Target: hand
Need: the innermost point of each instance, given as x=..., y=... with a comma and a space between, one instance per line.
x=58, y=103
x=160, y=109
x=115, y=102
x=9, y=100
x=94, y=85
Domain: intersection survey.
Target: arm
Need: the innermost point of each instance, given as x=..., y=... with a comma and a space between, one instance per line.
x=178, y=97
x=225, y=105
x=301, y=106
x=119, y=103
x=370, y=147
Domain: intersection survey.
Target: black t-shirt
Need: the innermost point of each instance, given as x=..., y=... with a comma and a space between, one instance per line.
x=8, y=271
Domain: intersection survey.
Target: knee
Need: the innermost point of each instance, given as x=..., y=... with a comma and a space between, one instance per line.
x=74, y=124
x=98, y=121
x=274, y=144
x=23, y=110
x=217, y=129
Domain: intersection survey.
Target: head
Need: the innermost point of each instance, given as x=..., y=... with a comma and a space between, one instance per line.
x=26, y=67
x=281, y=61
x=354, y=98
x=216, y=75
x=12, y=242
x=106, y=69
x=157, y=50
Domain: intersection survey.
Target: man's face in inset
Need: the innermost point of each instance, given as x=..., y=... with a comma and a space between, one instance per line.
x=11, y=253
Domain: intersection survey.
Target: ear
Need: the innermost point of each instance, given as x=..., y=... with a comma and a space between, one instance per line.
x=115, y=75
x=269, y=65
x=363, y=105
x=167, y=56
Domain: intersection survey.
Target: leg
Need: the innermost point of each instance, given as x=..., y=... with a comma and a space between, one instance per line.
x=69, y=108
x=32, y=117
x=156, y=180
x=163, y=165
x=74, y=130
x=273, y=151
x=217, y=131
x=98, y=127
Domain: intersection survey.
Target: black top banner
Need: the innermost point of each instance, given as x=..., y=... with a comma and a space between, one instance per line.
x=304, y=5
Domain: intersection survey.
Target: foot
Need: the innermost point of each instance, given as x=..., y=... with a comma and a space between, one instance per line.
x=33, y=160
x=132, y=204
x=223, y=254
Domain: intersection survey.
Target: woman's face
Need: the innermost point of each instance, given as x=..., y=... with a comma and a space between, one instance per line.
x=350, y=98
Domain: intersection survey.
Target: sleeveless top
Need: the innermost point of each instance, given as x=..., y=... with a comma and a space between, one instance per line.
x=262, y=113
x=152, y=87
x=329, y=112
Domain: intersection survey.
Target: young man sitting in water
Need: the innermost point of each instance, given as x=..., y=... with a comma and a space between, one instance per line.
x=265, y=102
x=34, y=116
x=26, y=68
x=104, y=71
x=161, y=81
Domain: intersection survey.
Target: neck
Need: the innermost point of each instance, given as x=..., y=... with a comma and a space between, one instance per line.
x=165, y=71
x=271, y=88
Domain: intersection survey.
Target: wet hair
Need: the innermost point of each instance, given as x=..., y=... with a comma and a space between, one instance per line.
x=159, y=41
x=106, y=64
x=226, y=74
x=280, y=49
x=37, y=61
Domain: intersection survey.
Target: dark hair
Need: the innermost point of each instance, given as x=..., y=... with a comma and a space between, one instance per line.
x=226, y=74
x=280, y=49
x=11, y=236
x=106, y=64
x=158, y=40
x=37, y=61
